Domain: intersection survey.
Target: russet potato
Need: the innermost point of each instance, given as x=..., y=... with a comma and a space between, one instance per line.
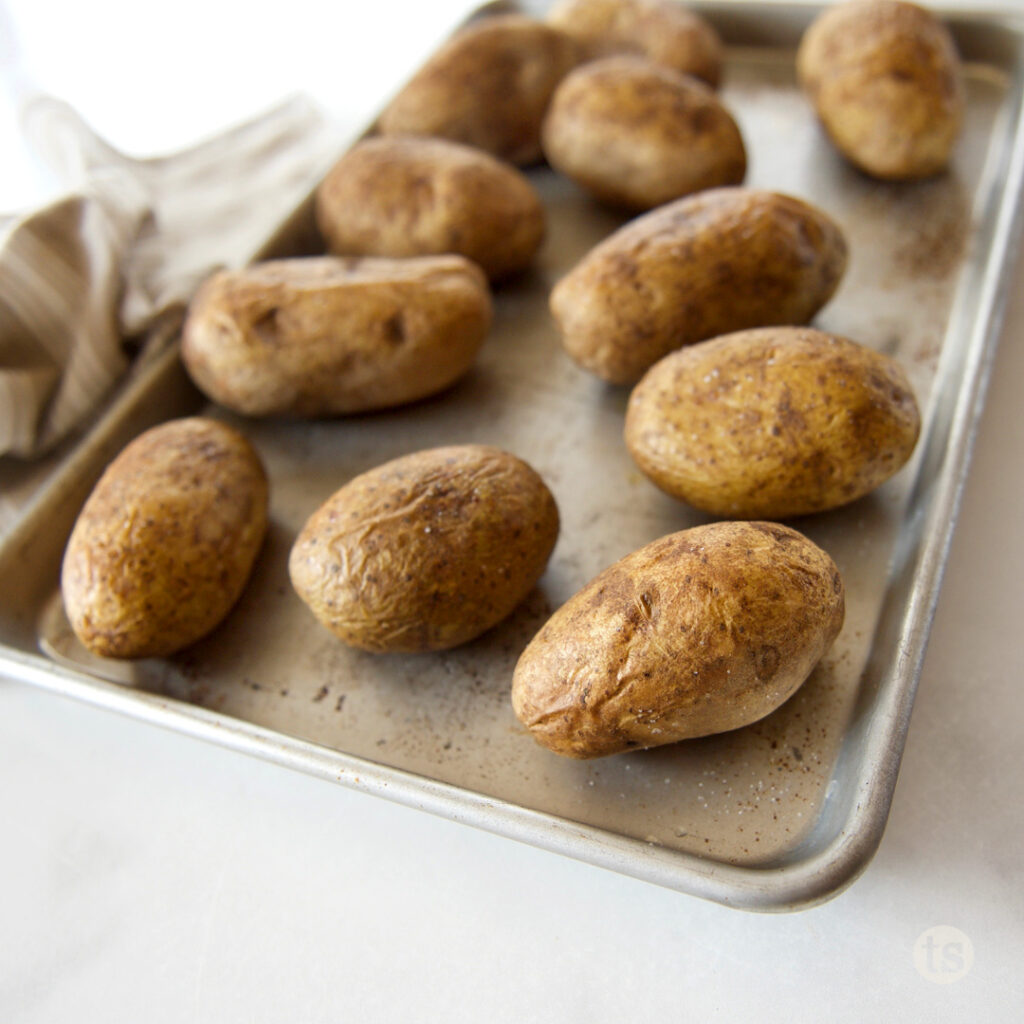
x=772, y=423
x=427, y=551
x=166, y=541
x=660, y=30
x=638, y=135
x=488, y=87
x=412, y=196
x=699, y=632
x=719, y=261
x=885, y=79
x=326, y=336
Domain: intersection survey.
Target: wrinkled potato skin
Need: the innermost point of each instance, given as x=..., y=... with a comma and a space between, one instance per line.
x=328, y=336
x=697, y=633
x=637, y=135
x=166, y=541
x=413, y=196
x=665, y=33
x=427, y=551
x=886, y=81
x=772, y=423
x=716, y=262
x=487, y=87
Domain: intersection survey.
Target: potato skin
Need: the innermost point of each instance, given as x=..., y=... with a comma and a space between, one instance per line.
x=427, y=551
x=886, y=81
x=699, y=632
x=638, y=135
x=324, y=336
x=719, y=261
x=165, y=543
x=663, y=32
x=772, y=423
x=413, y=196
x=487, y=87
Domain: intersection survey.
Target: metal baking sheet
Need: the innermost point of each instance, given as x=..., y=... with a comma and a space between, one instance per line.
x=779, y=815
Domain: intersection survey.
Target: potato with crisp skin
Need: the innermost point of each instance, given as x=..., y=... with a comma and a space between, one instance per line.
x=885, y=79
x=166, y=541
x=772, y=423
x=660, y=30
x=719, y=261
x=326, y=336
x=413, y=196
x=427, y=551
x=487, y=87
x=697, y=633
x=638, y=135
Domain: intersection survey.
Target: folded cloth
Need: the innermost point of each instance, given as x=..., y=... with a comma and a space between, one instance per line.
x=121, y=256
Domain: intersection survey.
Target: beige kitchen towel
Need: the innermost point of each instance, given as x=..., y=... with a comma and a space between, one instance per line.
x=119, y=257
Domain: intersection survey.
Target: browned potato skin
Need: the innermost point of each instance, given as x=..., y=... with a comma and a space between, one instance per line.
x=166, y=541
x=487, y=87
x=719, y=261
x=886, y=81
x=413, y=196
x=772, y=423
x=638, y=135
x=697, y=633
x=664, y=32
x=326, y=336
x=427, y=551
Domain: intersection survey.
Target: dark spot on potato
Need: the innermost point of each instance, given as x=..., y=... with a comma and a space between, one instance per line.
x=766, y=663
x=394, y=330
x=266, y=327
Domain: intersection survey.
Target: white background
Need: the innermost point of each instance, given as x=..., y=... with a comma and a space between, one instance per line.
x=145, y=876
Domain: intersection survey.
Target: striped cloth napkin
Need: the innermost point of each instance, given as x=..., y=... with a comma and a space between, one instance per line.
x=94, y=276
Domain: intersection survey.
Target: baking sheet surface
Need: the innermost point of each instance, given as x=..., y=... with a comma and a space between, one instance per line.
x=748, y=797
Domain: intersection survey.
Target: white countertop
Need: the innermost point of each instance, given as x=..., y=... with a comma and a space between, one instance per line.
x=148, y=876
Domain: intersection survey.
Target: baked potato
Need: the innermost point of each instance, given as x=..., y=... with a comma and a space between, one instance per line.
x=660, y=30
x=638, y=135
x=772, y=423
x=719, y=261
x=166, y=541
x=325, y=336
x=427, y=551
x=886, y=81
x=411, y=196
x=487, y=87
x=699, y=632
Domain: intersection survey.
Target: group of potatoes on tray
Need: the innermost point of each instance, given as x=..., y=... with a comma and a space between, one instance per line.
x=737, y=409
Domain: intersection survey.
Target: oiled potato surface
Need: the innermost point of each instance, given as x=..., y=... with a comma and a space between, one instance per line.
x=772, y=423
x=487, y=87
x=638, y=135
x=413, y=196
x=427, y=551
x=166, y=541
x=660, y=30
x=323, y=336
x=885, y=78
x=699, y=632
x=712, y=263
